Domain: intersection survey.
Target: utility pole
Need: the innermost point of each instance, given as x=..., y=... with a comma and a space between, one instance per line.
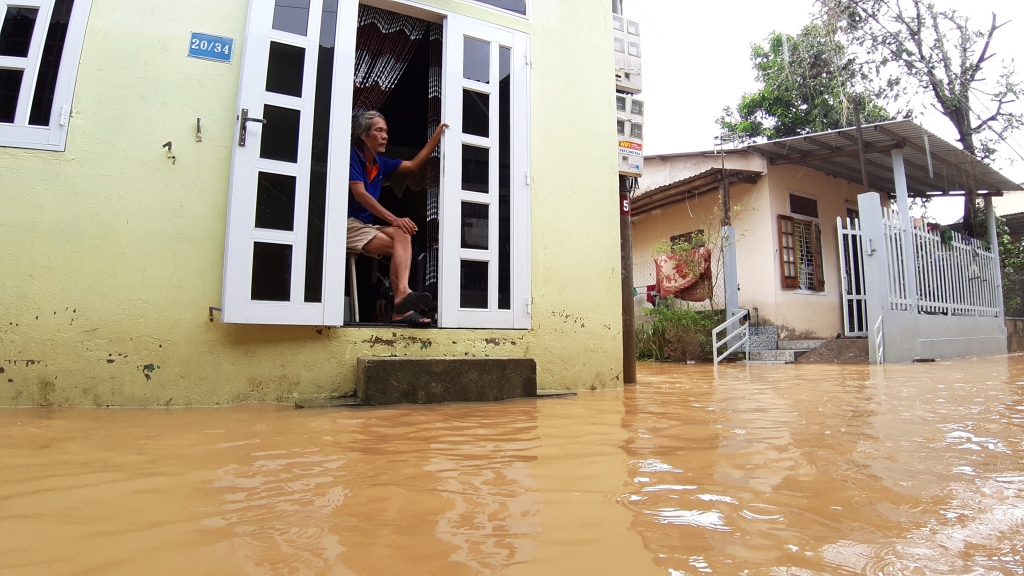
x=628, y=306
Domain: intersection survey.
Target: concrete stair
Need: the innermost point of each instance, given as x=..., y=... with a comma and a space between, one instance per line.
x=786, y=353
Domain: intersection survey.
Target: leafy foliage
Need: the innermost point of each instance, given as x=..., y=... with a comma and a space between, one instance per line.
x=941, y=54
x=677, y=334
x=808, y=82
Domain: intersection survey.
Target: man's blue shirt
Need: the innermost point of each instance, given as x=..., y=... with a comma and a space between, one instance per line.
x=384, y=168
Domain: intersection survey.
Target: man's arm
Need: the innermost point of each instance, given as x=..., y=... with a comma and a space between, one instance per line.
x=358, y=191
x=416, y=163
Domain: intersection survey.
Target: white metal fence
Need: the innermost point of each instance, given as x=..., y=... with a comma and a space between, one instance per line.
x=955, y=275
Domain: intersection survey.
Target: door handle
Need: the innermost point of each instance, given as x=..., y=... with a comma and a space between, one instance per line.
x=245, y=119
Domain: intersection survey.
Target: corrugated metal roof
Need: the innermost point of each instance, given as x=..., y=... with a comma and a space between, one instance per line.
x=933, y=165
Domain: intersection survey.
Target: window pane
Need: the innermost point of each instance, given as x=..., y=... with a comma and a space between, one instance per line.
x=271, y=272
x=517, y=6
x=620, y=45
x=476, y=60
x=475, y=225
x=280, y=139
x=620, y=103
x=275, y=201
x=49, y=64
x=636, y=130
x=803, y=206
x=291, y=16
x=16, y=33
x=633, y=28
x=617, y=22
x=475, y=163
x=321, y=140
x=638, y=108
x=505, y=178
x=284, y=69
x=473, y=293
x=10, y=86
x=620, y=126
x=476, y=113
x=634, y=49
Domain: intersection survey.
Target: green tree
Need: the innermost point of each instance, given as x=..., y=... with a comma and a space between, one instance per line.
x=808, y=84
x=941, y=54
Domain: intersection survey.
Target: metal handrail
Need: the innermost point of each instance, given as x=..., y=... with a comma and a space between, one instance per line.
x=744, y=329
x=879, y=341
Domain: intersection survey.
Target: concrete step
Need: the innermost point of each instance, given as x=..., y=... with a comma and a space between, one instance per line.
x=776, y=356
x=799, y=344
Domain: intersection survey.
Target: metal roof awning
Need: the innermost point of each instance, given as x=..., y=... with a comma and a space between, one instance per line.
x=704, y=182
x=933, y=165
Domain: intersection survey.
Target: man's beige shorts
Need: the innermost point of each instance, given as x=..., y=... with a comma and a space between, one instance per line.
x=359, y=234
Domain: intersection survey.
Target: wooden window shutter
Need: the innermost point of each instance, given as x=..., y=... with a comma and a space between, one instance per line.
x=787, y=252
x=819, y=266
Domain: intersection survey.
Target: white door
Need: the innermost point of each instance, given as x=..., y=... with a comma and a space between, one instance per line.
x=285, y=238
x=485, y=244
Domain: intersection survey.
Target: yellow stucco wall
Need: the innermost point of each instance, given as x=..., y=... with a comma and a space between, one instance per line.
x=798, y=314
x=111, y=256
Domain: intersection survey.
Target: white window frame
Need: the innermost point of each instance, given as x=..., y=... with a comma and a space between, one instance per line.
x=499, y=10
x=54, y=136
x=633, y=49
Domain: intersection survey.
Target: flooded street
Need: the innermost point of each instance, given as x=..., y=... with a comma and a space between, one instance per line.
x=798, y=469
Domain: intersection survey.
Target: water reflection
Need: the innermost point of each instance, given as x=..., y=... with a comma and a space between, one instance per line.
x=818, y=470
x=372, y=491
x=802, y=470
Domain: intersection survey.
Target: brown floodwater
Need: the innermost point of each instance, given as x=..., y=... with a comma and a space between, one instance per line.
x=800, y=470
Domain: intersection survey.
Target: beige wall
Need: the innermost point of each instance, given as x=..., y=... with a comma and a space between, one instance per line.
x=110, y=256
x=798, y=315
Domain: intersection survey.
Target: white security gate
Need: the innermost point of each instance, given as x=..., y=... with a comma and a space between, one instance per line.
x=855, y=302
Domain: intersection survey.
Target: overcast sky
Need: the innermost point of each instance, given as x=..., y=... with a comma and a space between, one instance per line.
x=696, y=59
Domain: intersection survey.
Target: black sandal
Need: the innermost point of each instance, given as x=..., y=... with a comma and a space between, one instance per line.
x=413, y=320
x=413, y=301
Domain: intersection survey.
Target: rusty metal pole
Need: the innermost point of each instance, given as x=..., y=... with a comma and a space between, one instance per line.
x=628, y=310
x=860, y=145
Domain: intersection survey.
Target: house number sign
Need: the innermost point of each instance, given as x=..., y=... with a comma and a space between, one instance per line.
x=210, y=47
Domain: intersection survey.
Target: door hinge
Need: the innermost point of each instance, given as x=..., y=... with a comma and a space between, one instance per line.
x=526, y=177
x=529, y=305
x=65, y=115
x=526, y=57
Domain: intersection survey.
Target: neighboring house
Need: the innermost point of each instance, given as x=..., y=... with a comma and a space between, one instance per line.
x=786, y=197
x=172, y=228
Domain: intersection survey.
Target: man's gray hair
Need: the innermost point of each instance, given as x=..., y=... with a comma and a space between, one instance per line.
x=362, y=121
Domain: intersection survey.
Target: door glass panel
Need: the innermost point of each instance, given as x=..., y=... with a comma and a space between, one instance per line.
x=476, y=113
x=474, y=225
x=504, y=178
x=280, y=138
x=473, y=292
x=275, y=201
x=517, y=6
x=10, y=86
x=476, y=60
x=271, y=272
x=49, y=64
x=291, y=16
x=474, y=168
x=16, y=33
x=284, y=69
x=318, y=168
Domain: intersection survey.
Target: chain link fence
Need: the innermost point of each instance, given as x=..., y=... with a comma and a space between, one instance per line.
x=645, y=297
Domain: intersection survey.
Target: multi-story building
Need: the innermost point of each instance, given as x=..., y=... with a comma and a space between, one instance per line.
x=628, y=84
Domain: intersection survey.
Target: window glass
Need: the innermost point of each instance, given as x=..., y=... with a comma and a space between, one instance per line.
x=49, y=64
x=620, y=45
x=284, y=69
x=632, y=27
x=636, y=130
x=517, y=6
x=16, y=32
x=275, y=201
x=291, y=16
x=271, y=272
x=505, y=178
x=617, y=23
x=620, y=103
x=803, y=206
x=638, y=108
x=803, y=231
x=10, y=87
x=476, y=60
x=476, y=118
x=280, y=139
x=473, y=285
x=475, y=225
x=475, y=168
x=620, y=126
x=634, y=49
